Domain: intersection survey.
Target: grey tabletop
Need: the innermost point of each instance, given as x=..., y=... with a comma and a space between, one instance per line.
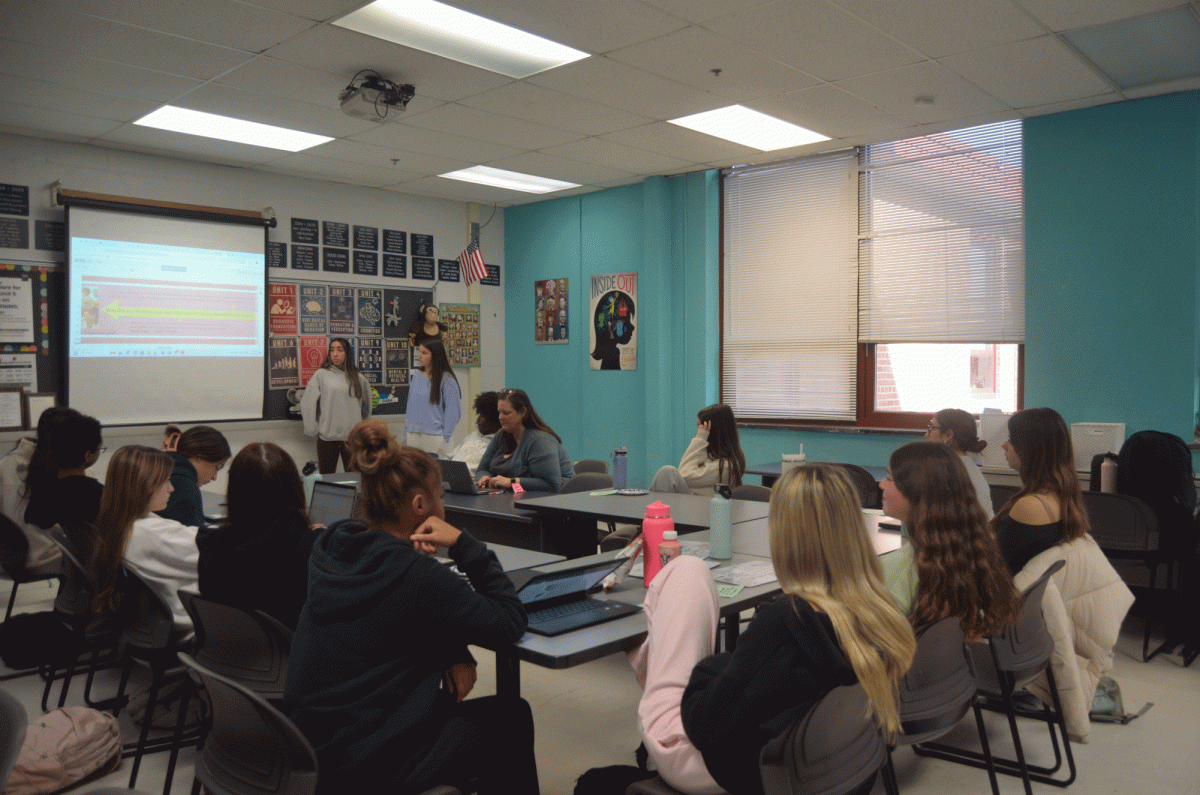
x=689, y=511
x=753, y=537
x=773, y=469
x=505, y=505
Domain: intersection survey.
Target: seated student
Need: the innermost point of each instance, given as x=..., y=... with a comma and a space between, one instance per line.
x=487, y=422
x=161, y=552
x=713, y=458
x=1048, y=509
x=256, y=557
x=15, y=467
x=200, y=453
x=171, y=435
x=379, y=665
x=526, y=450
x=704, y=717
x=70, y=497
x=950, y=564
x=956, y=428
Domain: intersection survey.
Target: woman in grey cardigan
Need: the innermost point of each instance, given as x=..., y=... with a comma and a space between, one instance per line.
x=525, y=451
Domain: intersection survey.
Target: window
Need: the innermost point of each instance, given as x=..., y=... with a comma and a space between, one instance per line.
x=935, y=313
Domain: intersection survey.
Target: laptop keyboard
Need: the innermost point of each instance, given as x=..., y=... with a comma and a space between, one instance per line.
x=565, y=609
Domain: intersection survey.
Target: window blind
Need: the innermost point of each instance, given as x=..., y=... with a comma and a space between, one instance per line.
x=789, y=329
x=941, y=238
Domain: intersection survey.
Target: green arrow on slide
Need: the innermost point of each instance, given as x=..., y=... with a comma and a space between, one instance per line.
x=116, y=312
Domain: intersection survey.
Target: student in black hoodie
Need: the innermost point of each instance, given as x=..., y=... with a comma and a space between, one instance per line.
x=379, y=665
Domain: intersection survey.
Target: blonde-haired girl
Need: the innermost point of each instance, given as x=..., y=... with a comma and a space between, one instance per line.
x=704, y=717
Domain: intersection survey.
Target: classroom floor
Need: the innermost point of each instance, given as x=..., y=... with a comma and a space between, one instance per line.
x=585, y=717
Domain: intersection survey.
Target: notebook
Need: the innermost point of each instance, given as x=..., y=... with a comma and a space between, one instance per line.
x=558, y=602
x=457, y=477
x=331, y=502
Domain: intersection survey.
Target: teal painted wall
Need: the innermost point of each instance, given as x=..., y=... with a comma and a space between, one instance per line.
x=1112, y=205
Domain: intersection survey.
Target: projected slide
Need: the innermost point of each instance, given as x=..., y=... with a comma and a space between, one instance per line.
x=144, y=299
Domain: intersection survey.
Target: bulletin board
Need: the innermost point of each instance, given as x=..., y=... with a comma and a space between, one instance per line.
x=32, y=355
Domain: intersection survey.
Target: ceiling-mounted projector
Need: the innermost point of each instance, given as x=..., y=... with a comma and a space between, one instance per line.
x=374, y=98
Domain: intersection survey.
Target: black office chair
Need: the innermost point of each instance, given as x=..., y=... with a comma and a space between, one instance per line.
x=749, y=491
x=247, y=646
x=1001, y=494
x=14, y=548
x=13, y=721
x=869, y=493
x=1005, y=664
x=591, y=465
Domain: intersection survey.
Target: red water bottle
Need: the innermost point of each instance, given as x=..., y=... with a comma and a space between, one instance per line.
x=657, y=521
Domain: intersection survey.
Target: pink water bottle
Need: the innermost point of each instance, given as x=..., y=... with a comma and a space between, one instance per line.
x=657, y=521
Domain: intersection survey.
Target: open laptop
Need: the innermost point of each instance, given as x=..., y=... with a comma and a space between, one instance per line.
x=331, y=502
x=558, y=602
x=457, y=478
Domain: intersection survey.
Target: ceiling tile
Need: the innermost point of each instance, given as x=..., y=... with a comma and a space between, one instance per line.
x=344, y=52
x=189, y=147
x=544, y=165
x=476, y=123
x=1073, y=104
x=1186, y=84
x=381, y=157
x=601, y=152
x=523, y=100
x=675, y=141
x=320, y=10
x=1058, y=15
x=54, y=25
x=69, y=69
x=303, y=164
x=944, y=27
x=896, y=91
x=229, y=23
x=20, y=91
x=460, y=191
x=831, y=111
x=607, y=81
x=595, y=28
x=690, y=55
x=1016, y=73
x=704, y=10
x=407, y=138
x=28, y=120
x=816, y=38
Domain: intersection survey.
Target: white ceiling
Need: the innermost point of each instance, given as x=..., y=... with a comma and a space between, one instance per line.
x=83, y=70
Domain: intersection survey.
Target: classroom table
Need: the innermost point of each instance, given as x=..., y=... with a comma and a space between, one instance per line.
x=770, y=471
x=499, y=518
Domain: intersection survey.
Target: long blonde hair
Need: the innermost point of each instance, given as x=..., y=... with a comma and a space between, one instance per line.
x=822, y=554
x=135, y=472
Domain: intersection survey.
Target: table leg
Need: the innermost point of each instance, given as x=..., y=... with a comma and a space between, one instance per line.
x=733, y=627
x=508, y=674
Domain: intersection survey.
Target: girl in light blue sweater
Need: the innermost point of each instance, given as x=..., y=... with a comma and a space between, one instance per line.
x=434, y=401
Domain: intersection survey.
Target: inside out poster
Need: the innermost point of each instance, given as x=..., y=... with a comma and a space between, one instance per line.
x=550, y=319
x=613, y=335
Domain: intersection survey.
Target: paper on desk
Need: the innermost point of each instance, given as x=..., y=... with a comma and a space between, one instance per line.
x=697, y=549
x=749, y=574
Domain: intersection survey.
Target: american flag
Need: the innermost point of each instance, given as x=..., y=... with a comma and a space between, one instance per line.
x=472, y=265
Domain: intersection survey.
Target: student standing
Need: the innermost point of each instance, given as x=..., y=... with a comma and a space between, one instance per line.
x=434, y=401
x=336, y=399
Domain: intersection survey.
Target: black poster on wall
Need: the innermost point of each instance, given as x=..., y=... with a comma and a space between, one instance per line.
x=448, y=270
x=422, y=245
x=335, y=234
x=276, y=255
x=422, y=268
x=14, y=199
x=366, y=237
x=335, y=260
x=395, y=266
x=305, y=230
x=304, y=258
x=366, y=263
x=395, y=242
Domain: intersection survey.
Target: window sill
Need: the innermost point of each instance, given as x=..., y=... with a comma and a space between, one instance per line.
x=855, y=429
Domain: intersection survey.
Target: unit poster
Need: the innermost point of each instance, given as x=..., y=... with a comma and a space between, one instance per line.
x=283, y=310
x=370, y=359
x=395, y=361
x=550, y=315
x=462, y=333
x=612, y=335
x=341, y=312
x=370, y=312
x=312, y=354
x=284, y=364
x=313, y=305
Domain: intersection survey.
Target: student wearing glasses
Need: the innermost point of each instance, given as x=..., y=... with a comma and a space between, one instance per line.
x=65, y=494
x=956, y=429
x=526, y=450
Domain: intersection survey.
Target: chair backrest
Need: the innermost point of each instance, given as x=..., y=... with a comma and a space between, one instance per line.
x=1001, y=494
x=152, y=619
x=78, y=585
x=1121, y=522
x=14, y=549
x=938, y=688
x=587, y=481
x=750, y=491
x=247, y=646
x=869, y=493
x=1024, y=649
x=835, y=749
x=13, y=721
x=252, y=747
x=591, y=465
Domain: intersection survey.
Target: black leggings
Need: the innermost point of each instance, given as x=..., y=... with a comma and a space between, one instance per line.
x=489, y=739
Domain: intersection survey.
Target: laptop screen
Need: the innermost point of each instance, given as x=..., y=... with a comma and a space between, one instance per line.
x=562, y=583
x=331, y=502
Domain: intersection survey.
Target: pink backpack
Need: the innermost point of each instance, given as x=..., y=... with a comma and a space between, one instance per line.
x=64, y=747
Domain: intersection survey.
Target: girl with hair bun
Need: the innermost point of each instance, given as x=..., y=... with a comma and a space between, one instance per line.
x=379, y=667
x=950, y=564
x=434, y=401
x=704, y=717
x=199, y=454
x=956, y=429
x=335, y=399
x=257, y=556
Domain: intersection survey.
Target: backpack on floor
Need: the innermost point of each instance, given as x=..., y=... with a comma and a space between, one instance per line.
x=64, y=747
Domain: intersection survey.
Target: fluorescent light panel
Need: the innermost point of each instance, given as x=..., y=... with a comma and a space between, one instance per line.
x=461, y=36
x=225, y=128
x=511, y=180
x=749, y=128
